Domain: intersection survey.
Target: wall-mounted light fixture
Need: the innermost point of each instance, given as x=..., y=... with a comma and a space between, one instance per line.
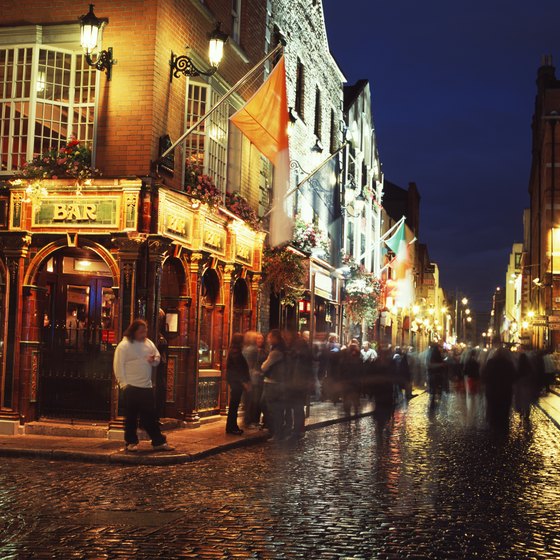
x=90, y=28
x=184, y=64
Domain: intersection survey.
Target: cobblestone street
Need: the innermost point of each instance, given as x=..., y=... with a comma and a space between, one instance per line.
x=438, y=487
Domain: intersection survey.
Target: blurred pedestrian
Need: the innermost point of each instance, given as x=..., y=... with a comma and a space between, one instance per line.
x=135, y=358
x=437, y=375
x=239, y=380
x=300, y=383
x=403, y=374
x=331, y=382
x=498, y=376
x=274, y=392
x=368, y=352
x=255, y=353
x=525, y=389
x=351, y=377
x=471, y=373
x=382, y=388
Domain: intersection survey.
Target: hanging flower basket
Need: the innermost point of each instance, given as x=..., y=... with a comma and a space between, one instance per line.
x=284, y=273
x=239, y=206
x=201, y=187
x=71, y=161
x=310, y=238
x=362, y=291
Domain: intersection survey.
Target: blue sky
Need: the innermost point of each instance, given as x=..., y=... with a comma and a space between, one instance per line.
x=453, y=92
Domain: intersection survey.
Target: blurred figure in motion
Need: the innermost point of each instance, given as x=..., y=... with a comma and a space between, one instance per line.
x=368, y=353
x=274, y=391
x=526, y=389
x=471, y=373
x=299, y=384
x=351, y=370
x=437, y=375
x=403, y=375
x=255, y=353
x=382, y=389
x=331, y=382
x=499, y=376
x=238, y=378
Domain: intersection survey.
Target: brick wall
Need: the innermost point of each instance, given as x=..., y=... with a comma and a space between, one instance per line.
x=140, y=104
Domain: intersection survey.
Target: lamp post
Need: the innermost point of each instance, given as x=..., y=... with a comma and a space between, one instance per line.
x=90, y=31
x=185, y=65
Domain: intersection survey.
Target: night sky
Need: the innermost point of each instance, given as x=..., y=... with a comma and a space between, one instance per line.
x=453, y=92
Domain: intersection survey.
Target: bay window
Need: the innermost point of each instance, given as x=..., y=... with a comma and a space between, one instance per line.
x=46, y=95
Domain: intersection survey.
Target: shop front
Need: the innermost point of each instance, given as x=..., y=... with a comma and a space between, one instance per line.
x=222, y=263
x=76, y=268
x=319, y=310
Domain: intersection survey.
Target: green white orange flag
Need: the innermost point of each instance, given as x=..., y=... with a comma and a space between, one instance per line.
x=402, y=267
x=264, y=121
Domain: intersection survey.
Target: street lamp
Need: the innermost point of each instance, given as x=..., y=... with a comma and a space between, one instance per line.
x=464, y=301
x=90, y=29
x=185, y=65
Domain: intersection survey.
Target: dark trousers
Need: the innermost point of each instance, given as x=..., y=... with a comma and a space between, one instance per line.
x=235, y=394
x=139, y=403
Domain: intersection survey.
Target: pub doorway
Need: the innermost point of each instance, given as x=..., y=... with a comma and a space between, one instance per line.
x=78, y=333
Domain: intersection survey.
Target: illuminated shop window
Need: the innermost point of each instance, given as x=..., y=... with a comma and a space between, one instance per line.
x=46, y=95
x=207, y=146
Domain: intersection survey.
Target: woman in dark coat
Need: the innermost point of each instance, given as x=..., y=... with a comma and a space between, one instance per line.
x=238, y=378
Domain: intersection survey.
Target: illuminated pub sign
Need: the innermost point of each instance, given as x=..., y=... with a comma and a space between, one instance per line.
x=214, y=237
x=244, y=251
x=83, y=211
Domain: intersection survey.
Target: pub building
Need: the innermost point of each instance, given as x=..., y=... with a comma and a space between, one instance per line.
x=78, y=264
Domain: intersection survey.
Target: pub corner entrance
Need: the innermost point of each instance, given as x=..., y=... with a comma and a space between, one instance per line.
x=78, y=326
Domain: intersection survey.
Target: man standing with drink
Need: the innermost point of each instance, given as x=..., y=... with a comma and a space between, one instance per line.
x=135, y=357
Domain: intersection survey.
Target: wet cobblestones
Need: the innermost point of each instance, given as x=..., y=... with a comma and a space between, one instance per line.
x=437, y=487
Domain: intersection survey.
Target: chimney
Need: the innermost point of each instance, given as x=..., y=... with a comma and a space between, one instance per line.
x=546, y=74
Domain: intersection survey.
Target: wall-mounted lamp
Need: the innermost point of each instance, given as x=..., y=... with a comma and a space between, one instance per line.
x=184, y=64
x=90, y=27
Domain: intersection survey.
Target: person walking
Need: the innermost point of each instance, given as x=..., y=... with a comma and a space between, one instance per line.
x=239, y=379
x=300, y=383
x=351, y=373
x=135, y=358
x=255, y=353
x=274, y=371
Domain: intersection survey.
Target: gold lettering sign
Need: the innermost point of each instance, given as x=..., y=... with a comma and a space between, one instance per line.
x=175, y=220
x=244, y=253
x=74, y=212
x=214, y=239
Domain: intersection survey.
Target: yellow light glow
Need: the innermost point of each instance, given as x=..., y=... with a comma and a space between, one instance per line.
x=464, y=301
x=531, y=314
x=431, y=311
x=525, y=324
x=468, y=311
x=469, y=319
x=415, y=309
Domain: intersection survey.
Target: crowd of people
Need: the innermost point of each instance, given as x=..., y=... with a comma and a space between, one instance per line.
x=277, y=377
x=281, y=374
x=508, y=380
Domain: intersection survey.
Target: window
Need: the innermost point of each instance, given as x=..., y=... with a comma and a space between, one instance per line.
x=236, y=20
x=46, y=95
x=318, y=114
x=207, y=146
x=333, y=144
x=300, y=89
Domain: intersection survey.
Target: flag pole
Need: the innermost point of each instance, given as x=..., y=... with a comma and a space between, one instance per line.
x=221, y=101
x=308, y=176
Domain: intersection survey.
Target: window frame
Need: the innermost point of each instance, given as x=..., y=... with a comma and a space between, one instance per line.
x=299, y=103
x=33, y=99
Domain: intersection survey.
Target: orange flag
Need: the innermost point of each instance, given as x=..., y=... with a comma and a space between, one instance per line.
x=264, y=120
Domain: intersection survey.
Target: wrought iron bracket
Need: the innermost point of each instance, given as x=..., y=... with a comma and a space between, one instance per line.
x=104, y=61
x=184, y=65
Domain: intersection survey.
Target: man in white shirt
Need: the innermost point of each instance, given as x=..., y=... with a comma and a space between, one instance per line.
x=135, y=357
